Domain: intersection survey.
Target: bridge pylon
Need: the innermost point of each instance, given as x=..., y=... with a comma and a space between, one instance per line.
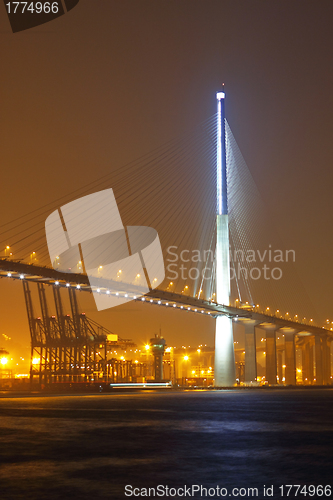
x=224, y=368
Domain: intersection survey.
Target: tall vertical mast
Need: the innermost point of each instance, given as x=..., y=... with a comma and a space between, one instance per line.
x=222, y=197
x=222, y=226
x=224, y=343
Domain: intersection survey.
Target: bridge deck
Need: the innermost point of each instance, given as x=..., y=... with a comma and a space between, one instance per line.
x=32, y=273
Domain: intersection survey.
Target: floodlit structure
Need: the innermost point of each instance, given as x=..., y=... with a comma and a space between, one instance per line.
x=224, y=342
x=157, y=345
x=67, y=348
x=72, y=348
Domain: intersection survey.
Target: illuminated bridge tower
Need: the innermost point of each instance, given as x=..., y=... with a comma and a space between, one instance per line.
x=224, y=343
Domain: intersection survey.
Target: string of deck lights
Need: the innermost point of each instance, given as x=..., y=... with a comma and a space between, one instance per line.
x=131, y=297
x=253, y=307
x=165, y=303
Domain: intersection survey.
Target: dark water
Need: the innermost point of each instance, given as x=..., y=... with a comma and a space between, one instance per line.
x=91, y=446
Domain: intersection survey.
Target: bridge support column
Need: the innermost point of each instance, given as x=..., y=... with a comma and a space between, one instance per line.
x=327, y=360
x=323, y=360
x=290, y=356
x=307, y=362
x=329, y=357
x=279, y=366
x=250, y=351
x=224, y=367
x=319, y=360
x=271, y=361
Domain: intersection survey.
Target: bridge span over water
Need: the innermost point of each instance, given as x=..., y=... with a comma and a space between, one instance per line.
x=71, y=342
x=225, y=220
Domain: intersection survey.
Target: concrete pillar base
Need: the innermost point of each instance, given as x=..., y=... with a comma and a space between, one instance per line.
x=290, y=357
x=271, y=362
x=307, y=362
x=323, y=360
x=224, y=368
x=250, y=351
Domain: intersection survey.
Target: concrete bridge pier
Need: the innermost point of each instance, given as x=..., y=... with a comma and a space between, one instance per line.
x=290, y=356
x=224, y=365
x=307, y=361
x=329, y=357
x=250, y=351
x=271, y=361
x=280, y=354
x=323, y=360
x=327, y=360
x=319, y=359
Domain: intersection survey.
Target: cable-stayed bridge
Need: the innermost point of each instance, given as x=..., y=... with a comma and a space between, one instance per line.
x=47, y=335
x=173, y=189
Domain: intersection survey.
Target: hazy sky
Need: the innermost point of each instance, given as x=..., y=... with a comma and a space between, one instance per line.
x=113, y=80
